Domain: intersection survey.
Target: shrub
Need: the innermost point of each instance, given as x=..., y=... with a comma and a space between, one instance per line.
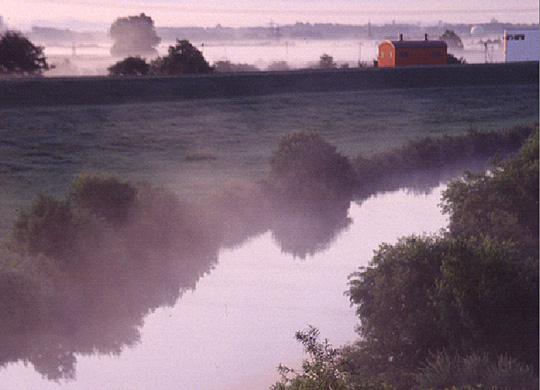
x=322, y=370
x=306, y=166
x=428, y=294
x=229, y=67
x=130, y=66
x=475, y=371
x=326, y=62
x=502, y=202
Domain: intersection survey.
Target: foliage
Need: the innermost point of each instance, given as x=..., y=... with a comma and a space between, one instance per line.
x=475, y=371
x=431, y=153
x=452, y=39
x=20, y=56
x=428, y=294
x=453, y=60
x=487, y=300
x=278, y=66
x=502, y=202
x=322, y=371
x=326, y=62
x=130, y=66
x=307, y=166
x=182, y=58
x=133, y=36
x=229, y=67
x=473, y=288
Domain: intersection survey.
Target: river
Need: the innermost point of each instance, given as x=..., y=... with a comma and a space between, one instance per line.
x=221, y=312
x=238, y=324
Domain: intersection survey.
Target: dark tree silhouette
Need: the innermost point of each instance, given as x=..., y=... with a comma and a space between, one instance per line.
x=452, y=39
x=326, y=62
x=183, y=58
x=133, y=36
x=130, y=66
x=20, y=56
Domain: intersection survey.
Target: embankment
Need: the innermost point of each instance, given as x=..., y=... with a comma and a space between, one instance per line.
x=31, y=92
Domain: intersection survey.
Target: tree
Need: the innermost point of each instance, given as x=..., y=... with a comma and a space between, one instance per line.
x=133, y=36
x=452, y=39
x=306, y=165
x=430, y=294
x=472, y=289
x=182, y=58
x=326, y=62
x=502, y=202
x=323, y=371
x=20, y=56
x=229, y=67
x=130, y=66
x=453, y=60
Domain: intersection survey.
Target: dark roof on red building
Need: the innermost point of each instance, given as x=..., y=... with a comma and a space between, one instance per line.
x=409, y=44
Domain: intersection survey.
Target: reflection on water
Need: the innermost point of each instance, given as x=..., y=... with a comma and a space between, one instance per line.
x=230, y=331
x=209, y=293
x=80, y=275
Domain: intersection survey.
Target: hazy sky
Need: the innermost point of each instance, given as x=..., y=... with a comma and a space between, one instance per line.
x=99, y=13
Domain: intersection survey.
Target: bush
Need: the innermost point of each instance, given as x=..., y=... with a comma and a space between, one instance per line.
x=453, y=60
x=326, y=62
x=502, y=202
x=431, y=153
x=229, y=67
x=475, y=371
x=322, y=370
x=428, y=294
x=130, y=66
x=307, y=167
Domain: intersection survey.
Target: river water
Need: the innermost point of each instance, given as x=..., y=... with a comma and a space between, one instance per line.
x=238, y=324
x=216, y=311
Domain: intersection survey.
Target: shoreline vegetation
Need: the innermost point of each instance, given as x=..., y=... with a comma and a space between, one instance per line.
x=456, y=310
x=144, y=246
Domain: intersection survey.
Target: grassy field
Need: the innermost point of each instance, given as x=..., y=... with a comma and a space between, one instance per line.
x=195, y=146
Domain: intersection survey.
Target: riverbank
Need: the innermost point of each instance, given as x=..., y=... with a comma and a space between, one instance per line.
x=34, y=92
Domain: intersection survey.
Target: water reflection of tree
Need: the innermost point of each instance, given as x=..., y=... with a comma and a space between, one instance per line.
x=81, y=273
x=91, y=296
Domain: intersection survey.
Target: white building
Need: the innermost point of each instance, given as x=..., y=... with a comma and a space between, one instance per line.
x=521, y=45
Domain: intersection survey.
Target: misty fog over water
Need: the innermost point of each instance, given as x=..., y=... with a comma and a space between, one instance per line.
x=233, y=329
x=216, y=310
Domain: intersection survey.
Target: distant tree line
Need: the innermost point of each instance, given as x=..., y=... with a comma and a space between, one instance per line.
x=182, y=58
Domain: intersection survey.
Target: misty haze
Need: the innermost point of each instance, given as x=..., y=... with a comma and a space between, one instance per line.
x=214, y=202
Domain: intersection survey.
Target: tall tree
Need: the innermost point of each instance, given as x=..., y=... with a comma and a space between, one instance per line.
x=20, y=56
x=183, y=58
x=134, y=36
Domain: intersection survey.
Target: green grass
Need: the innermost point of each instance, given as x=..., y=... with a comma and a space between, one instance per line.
x=195, y=147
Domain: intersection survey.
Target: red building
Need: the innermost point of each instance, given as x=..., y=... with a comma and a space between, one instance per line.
x=404, y=53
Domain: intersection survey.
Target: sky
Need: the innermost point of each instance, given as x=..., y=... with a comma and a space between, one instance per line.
x=99, y=14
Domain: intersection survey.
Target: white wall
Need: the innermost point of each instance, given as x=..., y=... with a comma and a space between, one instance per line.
x=521, y=45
